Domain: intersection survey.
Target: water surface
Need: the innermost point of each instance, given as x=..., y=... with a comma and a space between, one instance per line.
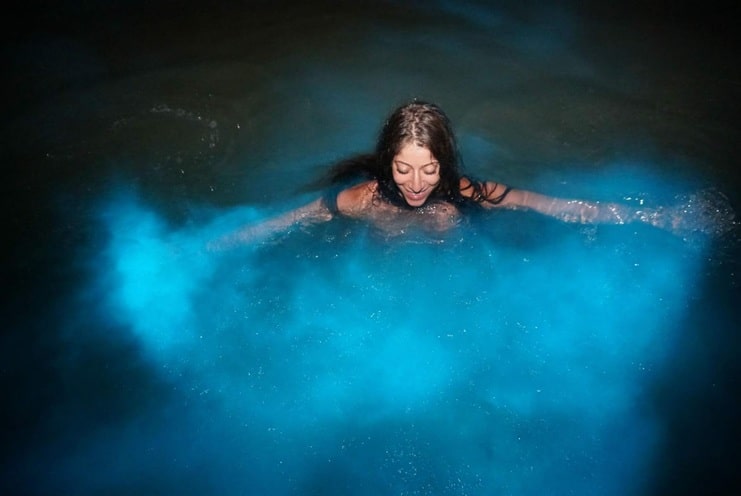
x=513, y=355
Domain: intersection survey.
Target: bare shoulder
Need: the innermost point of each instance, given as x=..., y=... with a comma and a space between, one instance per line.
x=356, y=197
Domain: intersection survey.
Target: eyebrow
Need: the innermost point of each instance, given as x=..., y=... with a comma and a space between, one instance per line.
x=434, y=162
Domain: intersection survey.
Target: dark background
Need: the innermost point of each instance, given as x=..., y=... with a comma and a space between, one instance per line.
x=697, y=43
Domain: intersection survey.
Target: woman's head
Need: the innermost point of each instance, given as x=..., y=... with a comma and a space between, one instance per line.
x=417, y=156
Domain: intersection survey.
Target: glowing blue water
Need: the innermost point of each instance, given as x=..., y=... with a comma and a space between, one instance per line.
x=520, y=356
x=515, y=357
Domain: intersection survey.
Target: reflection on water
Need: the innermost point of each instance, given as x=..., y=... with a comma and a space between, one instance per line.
x=512, y=355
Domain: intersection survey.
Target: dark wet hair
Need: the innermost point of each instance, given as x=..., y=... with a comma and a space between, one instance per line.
x=424, y=124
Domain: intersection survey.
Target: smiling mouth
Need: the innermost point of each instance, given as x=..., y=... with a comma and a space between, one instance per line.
x=417, y=196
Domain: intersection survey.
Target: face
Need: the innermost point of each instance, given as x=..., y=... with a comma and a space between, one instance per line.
x=416, y=173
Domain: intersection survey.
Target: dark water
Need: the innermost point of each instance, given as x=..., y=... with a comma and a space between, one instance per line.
x=515, y=355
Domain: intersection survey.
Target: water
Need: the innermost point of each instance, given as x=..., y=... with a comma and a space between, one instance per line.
x=513, y=355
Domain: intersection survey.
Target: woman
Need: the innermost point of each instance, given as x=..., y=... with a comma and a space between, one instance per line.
x=413, y=179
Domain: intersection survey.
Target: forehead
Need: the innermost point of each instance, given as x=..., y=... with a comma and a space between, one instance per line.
x=414, y=154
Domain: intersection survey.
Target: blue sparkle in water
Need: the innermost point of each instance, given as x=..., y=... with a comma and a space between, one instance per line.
x=336, y=361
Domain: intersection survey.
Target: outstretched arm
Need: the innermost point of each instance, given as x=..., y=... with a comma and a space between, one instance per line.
x=311, y=213
x=572, y=210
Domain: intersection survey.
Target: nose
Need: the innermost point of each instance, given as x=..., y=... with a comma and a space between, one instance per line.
x=417, y=182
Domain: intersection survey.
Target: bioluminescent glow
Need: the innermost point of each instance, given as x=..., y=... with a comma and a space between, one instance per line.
x=515, y=357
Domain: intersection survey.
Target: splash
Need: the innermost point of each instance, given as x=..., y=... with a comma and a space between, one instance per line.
x=335, y=359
